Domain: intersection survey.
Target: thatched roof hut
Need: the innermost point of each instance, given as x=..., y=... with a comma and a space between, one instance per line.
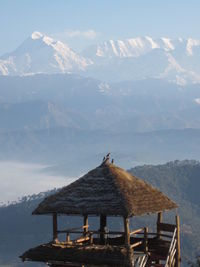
x=107, y=190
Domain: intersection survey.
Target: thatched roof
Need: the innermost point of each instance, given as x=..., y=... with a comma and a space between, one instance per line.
x=106, y=190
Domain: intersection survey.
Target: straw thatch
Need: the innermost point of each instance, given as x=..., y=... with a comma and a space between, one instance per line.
x=106, y=190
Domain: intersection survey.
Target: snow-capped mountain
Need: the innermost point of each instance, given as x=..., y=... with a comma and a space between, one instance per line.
x=41, y=54
x=128, y=48
x=174, y=60
x=136, y=47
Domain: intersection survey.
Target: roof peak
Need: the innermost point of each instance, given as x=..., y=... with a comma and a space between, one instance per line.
x=106, y=160
x=109, y=190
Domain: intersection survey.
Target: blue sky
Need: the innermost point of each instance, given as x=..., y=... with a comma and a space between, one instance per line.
x=85, y=21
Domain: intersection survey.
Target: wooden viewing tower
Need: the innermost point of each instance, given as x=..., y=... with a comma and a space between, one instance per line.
x=109, y=191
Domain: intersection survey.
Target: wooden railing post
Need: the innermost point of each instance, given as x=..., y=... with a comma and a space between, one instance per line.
x=67, y=237
x=85, y=223
x=178, y=250
x=55, y=227
x=91, y=238
x=159, y=220
x=145, y=240
x=102, y=229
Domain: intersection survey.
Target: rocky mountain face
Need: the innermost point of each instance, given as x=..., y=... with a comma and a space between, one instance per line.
x=174, y=60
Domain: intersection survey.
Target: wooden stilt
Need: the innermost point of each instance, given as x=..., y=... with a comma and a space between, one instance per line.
x=178, y=250
x=159, y=220
x=85, y=223
x=102, y=228
x=55, y=227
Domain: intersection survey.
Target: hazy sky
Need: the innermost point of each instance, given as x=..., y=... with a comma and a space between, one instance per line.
x=93, y=20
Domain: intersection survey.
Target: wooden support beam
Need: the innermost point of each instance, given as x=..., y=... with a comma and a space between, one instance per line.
x=103, y=222
x=85, y=224
x=126, y=231
x=159, y=221
x=178, y=250
x=55, y=227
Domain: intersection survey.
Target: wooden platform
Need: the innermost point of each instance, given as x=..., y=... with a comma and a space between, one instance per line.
x=87, y=254
x=112, y=254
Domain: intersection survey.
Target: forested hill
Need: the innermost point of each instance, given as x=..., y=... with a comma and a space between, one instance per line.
x=180, y=180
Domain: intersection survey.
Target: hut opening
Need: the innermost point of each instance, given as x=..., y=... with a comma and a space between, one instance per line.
x=106, y=191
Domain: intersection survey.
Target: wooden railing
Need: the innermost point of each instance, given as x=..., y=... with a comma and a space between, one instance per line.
x=171, y=260
x=88, y=235
x=144, y=232
x=141, y=261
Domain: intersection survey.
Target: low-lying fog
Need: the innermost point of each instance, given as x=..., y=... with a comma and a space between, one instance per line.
x=19, y=179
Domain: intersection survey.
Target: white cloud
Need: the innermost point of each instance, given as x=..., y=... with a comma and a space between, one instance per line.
x=197, y=100
x=89, y=34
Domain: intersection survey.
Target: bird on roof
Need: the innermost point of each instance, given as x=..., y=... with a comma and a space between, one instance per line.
x=108, y=156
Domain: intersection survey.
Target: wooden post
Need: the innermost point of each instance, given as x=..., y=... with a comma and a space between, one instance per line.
x=91, y=238
x=67, y=237
x=145, y=240
x=126, y=231
x=85, y=223
x=55, y=227
x=178, y=250
x=129, y=259
x=159, y=220
x=102, y=229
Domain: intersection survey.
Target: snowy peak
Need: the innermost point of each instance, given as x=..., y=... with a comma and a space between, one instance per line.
x=42, y=37
x=36, y=35
x=42, y=54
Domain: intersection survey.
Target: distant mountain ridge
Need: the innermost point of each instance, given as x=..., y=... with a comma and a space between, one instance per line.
x=174, y=60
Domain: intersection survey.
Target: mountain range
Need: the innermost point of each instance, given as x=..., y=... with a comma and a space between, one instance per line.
x=174, y=60
x=63, y=119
